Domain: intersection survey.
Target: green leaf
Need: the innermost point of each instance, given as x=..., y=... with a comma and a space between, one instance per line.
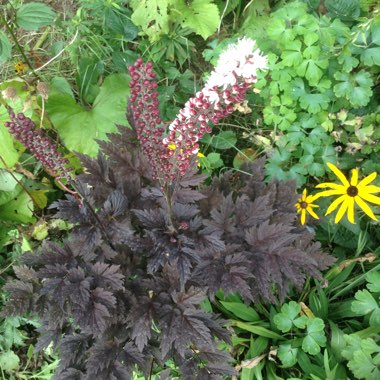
x=202, y=16
x=306, y=160
x=309, y=368
x=8, y=152
x=60, y=85
x=280, y=156
x=316, y=169
x=361, y=362
x=297, y=87
x=214, y=161
x=356, y=88
x=292, y=56
x=257, y=346
x=375, y=31
x=295, y=135
x=30, y=352
x=364, y=303
x=276, y=29
x=310, y=38
x=18, y=209
x=364, y=367
x=10, y=334
x=78, y=127
x=240, y=310
x=310, y=148
x=311, y=70
x=373, y=279
x=6, y=196
x=9, y=361
x=5, y=47
x=287, y=118
x=119, y=22
x=374, y=319
x=32, y=16
x=353, y=344
x=292, y=12
x=312, y=52
x=123, y=59
x=315, y=338
x=346, y=10
x=231, y=5
x=40, y=231
x=257, y=330
x=371, y=56
x=337, y=340
x=152, y=16
x=287, y=355
x=223, y=140
x=370, y=346
x=314, y=103
x=328, y=154
x=283, y=75
x=8, y=181
x=323, y=85
x=39, y=198
x=88, y=73
x=348, y=61
x=306, y=23
x=289, y=315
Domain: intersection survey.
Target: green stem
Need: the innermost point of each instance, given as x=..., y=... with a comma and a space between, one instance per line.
x=168, y=199
x=359, y=280
x=95, y=215
x=16, y=179
x=20, y=49
x=42, y=38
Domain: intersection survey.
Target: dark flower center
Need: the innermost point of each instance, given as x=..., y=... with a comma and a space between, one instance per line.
x=303, y=204
x=352, y=191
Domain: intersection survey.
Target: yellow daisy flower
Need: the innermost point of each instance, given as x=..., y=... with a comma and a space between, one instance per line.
x=350, y=192
x=304, y=205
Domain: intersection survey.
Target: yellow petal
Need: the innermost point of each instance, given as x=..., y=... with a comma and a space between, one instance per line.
x=339, y=174
x=354, y=177
x=335, y=204
x=309, y=199
x=312, y=213
x=328, y=184
x=350, y=210
x=304, y=194
x=365, y=181
x=370, y=189
x=369, y=197
x=327, y=193
x=311, y=205
x=365, y=208
x=341, y=210
x=303, y=216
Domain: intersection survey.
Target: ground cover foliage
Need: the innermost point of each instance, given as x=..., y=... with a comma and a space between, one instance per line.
x=113, y=249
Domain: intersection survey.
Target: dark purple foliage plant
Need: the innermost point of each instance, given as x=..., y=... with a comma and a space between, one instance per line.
x=151, y=242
